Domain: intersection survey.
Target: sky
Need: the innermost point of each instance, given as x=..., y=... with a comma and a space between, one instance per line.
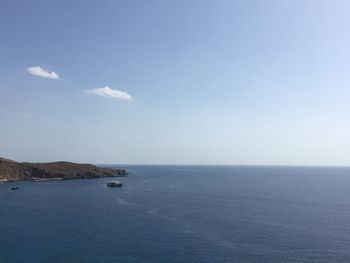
x=241, y=82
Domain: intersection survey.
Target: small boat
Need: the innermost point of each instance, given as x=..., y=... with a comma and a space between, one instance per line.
x=14, y=188
x=114, y=184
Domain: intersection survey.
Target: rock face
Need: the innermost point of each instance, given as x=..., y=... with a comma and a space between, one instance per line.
x=11, y=170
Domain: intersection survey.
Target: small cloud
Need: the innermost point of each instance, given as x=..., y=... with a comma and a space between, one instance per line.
x=39, y=71
x=108, y=92
x=27, y=115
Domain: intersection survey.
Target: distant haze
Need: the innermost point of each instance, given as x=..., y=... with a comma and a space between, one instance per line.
x=176, y=82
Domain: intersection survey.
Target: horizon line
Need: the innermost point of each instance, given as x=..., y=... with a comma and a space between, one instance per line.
x=237, y=165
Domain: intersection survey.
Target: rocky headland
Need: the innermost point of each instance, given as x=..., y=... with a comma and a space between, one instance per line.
x=15, y=171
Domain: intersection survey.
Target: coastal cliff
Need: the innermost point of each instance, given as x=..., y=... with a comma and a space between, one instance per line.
x=13, y=171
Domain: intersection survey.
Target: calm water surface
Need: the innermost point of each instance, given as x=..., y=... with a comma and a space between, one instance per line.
x=181, y=214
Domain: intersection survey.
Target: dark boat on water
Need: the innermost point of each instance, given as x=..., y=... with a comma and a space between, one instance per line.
x=114, y=184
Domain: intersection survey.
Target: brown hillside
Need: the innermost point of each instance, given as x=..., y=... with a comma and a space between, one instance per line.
x=11, y=170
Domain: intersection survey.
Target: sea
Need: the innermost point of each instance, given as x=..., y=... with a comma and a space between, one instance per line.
x=181, y=214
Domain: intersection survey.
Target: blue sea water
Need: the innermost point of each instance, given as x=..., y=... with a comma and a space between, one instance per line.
x=181, y=214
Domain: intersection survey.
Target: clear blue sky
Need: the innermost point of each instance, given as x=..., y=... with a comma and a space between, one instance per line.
x=210, y=82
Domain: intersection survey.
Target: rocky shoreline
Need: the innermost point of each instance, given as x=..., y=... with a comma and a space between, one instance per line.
x=12, y=171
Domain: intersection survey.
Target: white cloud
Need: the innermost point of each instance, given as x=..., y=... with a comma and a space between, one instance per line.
x=27, y=115
x=39, y=71
x=108, y=92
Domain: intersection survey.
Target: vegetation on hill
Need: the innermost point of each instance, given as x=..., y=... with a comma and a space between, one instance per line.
x=12, y=170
